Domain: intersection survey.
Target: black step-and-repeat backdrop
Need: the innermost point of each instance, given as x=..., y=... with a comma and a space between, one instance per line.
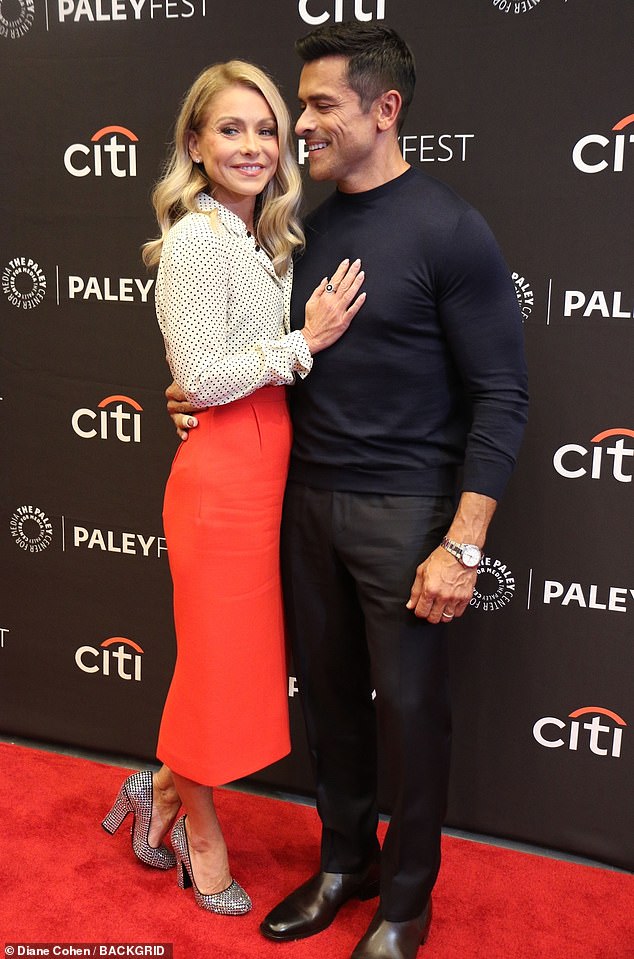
x=527, y=109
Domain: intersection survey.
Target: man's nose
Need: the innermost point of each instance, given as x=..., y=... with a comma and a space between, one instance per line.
x=305, y=122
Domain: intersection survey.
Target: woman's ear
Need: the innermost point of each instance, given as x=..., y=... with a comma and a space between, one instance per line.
x=192, y=146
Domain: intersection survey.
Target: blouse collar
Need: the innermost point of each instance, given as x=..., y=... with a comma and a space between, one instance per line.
x=231, y=221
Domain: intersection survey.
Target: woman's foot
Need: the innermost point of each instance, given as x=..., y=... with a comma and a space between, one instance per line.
x=165, y=806
x=209, y=861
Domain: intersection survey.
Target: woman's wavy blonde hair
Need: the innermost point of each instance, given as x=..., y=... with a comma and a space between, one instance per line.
x=278, y=226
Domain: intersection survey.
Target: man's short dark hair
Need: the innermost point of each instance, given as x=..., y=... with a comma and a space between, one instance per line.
x=378, y=59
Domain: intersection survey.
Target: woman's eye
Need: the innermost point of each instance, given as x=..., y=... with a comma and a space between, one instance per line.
x=229, y=131
x=268, y=132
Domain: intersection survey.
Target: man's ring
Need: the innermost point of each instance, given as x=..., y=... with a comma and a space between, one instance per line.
x=330, y=288
x=447, y=615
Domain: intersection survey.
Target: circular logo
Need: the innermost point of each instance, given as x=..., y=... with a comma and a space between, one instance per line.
x=23, y=283
x=495, y=585
x=524, y=294
x=31, y=529
x=515, y=6
x=16, y=18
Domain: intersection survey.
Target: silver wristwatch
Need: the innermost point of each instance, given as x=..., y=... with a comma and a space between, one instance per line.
x=466, y=553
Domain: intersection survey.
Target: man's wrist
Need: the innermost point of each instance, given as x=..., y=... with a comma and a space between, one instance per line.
x=468, y=554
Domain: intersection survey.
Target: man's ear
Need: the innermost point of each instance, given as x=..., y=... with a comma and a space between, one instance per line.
x=388, y=107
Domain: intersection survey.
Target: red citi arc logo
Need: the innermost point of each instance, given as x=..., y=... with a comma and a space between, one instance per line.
x=570, y=460
x=601, y=739
x=111, y=156
x=126, y=425
x=595, y=153
x=116, y=656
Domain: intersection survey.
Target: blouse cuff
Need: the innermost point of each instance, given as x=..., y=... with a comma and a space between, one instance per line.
x=303, y=357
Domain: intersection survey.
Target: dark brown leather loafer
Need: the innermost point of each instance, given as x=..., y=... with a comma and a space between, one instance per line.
x=394, y=940
x=314, y=905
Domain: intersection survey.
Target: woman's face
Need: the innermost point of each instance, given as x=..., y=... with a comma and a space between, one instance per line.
x=237, y=145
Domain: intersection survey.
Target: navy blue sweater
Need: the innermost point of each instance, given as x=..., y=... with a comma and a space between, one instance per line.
x=426, y=393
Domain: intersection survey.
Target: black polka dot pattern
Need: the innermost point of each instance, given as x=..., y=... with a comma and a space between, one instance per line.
x=223, y=312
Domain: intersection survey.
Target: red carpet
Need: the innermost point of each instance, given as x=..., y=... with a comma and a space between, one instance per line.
x=65, y=880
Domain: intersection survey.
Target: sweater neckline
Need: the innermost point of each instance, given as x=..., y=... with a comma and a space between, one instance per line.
x=376, y=192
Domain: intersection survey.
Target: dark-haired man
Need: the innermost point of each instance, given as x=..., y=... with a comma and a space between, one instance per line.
x=420, y=405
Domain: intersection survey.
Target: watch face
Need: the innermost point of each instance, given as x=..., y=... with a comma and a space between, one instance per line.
x=471, y=556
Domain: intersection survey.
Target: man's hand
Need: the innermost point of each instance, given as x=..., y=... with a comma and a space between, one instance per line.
x=442, y=588
x=179, y=409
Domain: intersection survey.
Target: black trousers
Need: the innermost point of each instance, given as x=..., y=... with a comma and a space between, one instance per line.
x=348, y=562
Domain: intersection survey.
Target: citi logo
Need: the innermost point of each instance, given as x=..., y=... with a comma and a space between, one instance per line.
x=574, y=461
x=117, y=656
x=595, y=153
x=111, y=156
x=336, y=9
x=126, y=425
x=598, y=736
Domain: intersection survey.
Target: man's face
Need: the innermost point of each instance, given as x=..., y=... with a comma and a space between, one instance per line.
x=340, y=137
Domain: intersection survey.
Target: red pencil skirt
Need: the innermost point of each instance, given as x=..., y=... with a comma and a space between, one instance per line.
x=226, y=713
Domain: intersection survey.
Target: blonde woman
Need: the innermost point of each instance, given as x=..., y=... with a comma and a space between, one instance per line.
x=227, y=209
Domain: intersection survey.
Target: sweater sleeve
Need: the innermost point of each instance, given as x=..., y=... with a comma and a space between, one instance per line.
x=481, y=319
x=198, y=320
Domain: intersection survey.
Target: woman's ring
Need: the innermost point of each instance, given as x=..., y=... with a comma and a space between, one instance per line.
x=330, y=288
x=447, y=615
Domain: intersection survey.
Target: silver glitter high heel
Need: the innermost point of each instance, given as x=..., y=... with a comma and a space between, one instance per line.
x=232, y=901
x=135, y=796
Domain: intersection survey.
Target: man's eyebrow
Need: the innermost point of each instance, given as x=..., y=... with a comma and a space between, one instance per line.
x=330, y=97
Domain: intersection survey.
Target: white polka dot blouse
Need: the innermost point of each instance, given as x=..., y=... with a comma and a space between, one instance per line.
x=223, y=312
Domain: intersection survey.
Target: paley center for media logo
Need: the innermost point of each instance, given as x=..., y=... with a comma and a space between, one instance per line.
x=125, y=542
x=601, y=735
x=495, y=585
x=612, y=599
x=111, y=150
x=16, y=18
x=516, y=6
x=31, y=529
x=597, y=461
x=524, y=293
x=104, y=11
x=24, y=283
x=595, y=152
x=117, y=657
x=110, y=420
